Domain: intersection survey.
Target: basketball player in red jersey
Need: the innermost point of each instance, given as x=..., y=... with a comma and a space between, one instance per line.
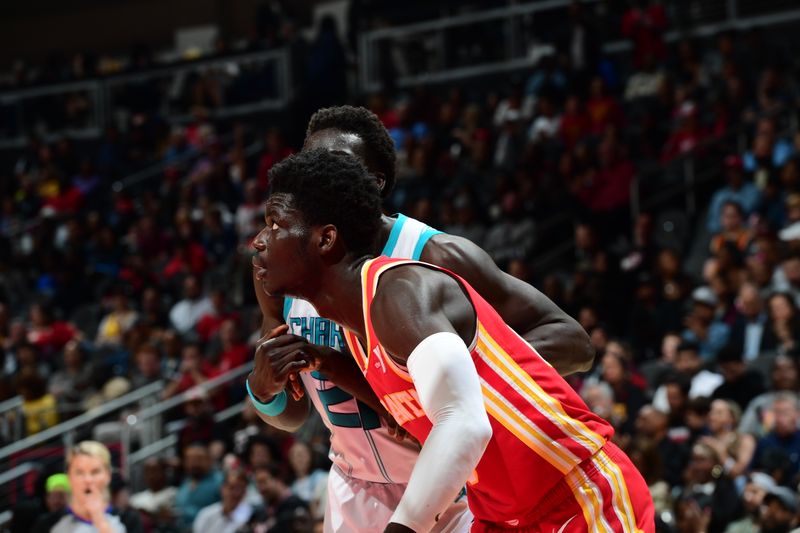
x=488, y=409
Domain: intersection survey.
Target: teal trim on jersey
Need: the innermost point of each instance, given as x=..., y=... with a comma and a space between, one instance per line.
x=287, y=306
x=423, y=240
x=394, y=235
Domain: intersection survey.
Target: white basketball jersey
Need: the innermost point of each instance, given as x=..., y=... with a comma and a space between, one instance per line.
x=360, y=442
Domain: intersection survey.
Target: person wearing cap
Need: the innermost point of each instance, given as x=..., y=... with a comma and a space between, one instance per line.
x=778, y=511
x=57, y=493
x=702, y=326
x=737, y=189
x=757, y=486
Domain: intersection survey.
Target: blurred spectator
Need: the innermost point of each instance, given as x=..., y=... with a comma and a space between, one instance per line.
x=733, y=229
x=310, y=483
x=652, y=428
x=185, y=314
x=779, y=510
x=38, y=406
x=741, y=384
x=230, y=514
x=644, y=23
x=710, y=488
x=758, y=417
x=738, y=191
x=200, y=487
x=70, y=384
x=734, y=450
x=782, y=331
x=120, y=505
x=280, y=507
x=46, y=333
x=56, y=501
x=157, y=501
x=757, y=487
x=194, y=370
x=200, y=425
x=147, y=360
x=747, y=330
x=689, y=363
x=702, y=327
x=115, y=325
x=785, y=434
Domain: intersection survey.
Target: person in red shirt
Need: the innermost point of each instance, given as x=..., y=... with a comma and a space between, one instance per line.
x=235, y=353
x=488, y=409
x=645, y=24
x=48, y=334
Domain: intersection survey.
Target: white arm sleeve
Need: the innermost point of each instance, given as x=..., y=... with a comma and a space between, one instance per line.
x=450, y=393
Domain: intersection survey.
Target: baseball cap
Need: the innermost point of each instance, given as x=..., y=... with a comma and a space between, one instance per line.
x=705, y=295
x=790, y=233
x=57, y=482
x=785, y=496
x=762, y=480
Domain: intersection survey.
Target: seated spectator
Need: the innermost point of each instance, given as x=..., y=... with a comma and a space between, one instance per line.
x=785, y=434
x=279, y=506
x=74, y=381
x=710, y=488
x=48, y=334
x=738, y=190
x=782, y=331
x=748, y=327
x=646, y=82
x=652, y=429
x=147, y=369
x=310, y=483
x=250, y=213
x=185, y=314
x=689, y=363
x=38, y=406
x=741, y=385
x=201, y=426
x=231, y=513
x=767, y=148
x=194, y=370
x=687, y=135
x=757, y=419
x=234, y=351
x=55, y=502
x=757, y=487
x=649, y=462
x=628, y=396
x=157, y=501
x=735, y=450
x=120, y=505
x=200, y=487
x=115, y=325
x=733, y=230
x=703, y=327
x=513, y=235
x=209, y=323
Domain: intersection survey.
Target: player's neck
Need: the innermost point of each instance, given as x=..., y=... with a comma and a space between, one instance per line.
x=387, y=223
x=338, y=296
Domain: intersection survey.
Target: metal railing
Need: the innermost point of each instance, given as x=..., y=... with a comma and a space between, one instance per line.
x=11, y=419
x=45, y=111
x=66, y=430
x=509, y=32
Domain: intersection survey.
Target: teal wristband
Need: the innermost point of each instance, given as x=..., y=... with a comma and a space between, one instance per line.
x=274, y=407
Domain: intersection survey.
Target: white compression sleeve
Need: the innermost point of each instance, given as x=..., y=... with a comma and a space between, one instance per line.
x=450, y=393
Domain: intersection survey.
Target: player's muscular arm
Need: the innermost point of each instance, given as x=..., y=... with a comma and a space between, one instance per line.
x=422, y=319
x=554, y=334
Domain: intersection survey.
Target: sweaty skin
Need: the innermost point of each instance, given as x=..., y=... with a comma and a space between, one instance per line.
x=556, y=335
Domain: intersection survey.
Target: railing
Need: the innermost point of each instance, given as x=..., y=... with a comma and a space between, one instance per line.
x=66, y=430
x=509, y=38
x=245, y=84
x=11, y=419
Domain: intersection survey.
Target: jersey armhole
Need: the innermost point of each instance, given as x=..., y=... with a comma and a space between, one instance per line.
x=422, y=241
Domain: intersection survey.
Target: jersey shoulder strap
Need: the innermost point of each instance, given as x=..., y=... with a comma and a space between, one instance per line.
x=408, y=238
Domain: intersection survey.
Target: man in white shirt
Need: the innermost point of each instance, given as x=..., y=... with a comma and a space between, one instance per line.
x=158, y=496
x=231, y=513
x=688, y=362
x=185, y=314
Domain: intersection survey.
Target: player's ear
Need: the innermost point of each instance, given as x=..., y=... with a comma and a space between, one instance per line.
x=380, y=178
x=328, y=238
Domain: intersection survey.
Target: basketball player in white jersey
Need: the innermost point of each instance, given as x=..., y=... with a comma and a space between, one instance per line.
x=371, y=464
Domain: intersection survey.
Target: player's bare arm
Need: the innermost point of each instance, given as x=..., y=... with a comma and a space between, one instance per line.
x=554, y=334
x=425, y=321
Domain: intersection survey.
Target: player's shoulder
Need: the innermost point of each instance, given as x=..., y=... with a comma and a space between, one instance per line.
x=410, y=285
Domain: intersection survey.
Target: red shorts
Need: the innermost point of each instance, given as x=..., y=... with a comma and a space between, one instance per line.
x=603, y=494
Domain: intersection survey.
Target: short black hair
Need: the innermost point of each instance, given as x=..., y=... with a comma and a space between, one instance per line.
x=332, y=188
x=688, y=346
x=380, y=153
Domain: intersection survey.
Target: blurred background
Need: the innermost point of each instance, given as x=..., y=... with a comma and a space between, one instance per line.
x=637, y=161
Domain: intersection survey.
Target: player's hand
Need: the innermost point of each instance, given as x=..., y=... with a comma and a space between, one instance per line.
x=397, y=431
x=95, y=504
x=397, y=528
x=279, y=357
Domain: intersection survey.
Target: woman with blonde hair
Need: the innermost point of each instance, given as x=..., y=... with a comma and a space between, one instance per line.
x=89, y=472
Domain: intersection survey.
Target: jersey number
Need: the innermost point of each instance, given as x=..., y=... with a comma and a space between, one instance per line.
x=365, y=417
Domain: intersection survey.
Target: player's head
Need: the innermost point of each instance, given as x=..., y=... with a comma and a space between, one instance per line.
x=359, y=132
x=322, y=207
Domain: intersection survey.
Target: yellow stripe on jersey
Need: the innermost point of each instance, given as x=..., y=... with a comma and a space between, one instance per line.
x=356, y=349
x=590, y=499
x=538, y=398
x=622, y=500
x=526, y=431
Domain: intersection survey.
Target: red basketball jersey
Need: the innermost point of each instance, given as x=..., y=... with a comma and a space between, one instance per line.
x=541, y=427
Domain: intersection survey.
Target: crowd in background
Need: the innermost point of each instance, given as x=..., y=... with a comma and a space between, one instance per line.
x=697, y=336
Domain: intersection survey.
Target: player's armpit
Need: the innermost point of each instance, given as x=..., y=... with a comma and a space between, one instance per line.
x=554, y=334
